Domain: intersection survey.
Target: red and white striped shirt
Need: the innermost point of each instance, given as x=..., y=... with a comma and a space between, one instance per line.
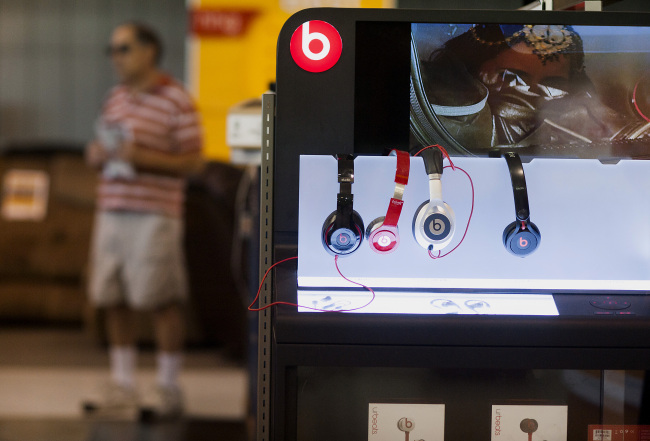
x=163, y=119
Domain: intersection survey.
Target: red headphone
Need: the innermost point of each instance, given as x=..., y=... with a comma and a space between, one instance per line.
x=382, y=233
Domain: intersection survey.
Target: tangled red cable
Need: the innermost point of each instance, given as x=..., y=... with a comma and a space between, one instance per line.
x=336, y=264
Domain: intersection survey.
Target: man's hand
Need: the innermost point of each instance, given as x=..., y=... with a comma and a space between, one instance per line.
x=127, y=151
x=96, y=155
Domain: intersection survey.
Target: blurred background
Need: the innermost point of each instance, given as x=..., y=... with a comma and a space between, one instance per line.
x=54, y=75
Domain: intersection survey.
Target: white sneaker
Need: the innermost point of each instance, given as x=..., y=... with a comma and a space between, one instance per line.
x=116, y=401
x=163, y=403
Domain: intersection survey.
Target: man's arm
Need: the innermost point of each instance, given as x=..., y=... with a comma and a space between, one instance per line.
x=144, y=158
x=185, y=136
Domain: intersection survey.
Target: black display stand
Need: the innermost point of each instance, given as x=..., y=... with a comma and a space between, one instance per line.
x=318, y=372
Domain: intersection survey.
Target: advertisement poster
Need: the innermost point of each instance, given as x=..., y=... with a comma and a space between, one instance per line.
x=552, y=90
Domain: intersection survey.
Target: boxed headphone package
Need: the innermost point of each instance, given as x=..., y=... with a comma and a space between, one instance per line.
x=529, y=423
x=409, y=422
x=401, y=222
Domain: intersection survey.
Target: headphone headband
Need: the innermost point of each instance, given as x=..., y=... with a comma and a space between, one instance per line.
x=345, y=198
x=520, y=193
x=401, y=180
x=342, y=231
x=382, y=233
x=346, y=169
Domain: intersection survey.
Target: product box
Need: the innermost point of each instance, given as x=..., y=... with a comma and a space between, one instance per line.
x=411, y=422
x=527, y=422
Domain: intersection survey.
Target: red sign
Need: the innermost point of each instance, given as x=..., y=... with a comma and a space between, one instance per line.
x=220, y=22
x=611, y=432
x=316, y=46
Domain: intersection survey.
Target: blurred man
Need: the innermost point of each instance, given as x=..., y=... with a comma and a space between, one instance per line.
x=148, y=139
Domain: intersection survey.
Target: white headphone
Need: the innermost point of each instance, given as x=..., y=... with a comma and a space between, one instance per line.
x=434, y=222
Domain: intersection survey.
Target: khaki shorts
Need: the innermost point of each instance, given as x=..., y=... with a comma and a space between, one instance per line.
x=137, y=260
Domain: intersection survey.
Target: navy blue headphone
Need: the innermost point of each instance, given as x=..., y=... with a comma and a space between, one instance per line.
x=521, y=237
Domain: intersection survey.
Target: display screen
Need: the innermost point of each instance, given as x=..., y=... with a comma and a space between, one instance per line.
x=547, y=90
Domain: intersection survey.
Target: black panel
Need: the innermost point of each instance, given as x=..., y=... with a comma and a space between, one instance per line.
x=382, y=72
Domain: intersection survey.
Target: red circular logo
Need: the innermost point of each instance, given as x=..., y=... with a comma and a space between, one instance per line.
x=316, y=46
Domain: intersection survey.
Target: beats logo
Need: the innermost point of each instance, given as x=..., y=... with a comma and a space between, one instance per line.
x=523, y=243
x=316, y=46
x=384, y=241
x=437, y=226
x=405, y=425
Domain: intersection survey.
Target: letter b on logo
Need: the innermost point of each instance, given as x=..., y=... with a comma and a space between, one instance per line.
x=523, y=243
x=316, y=46
x=405, y=425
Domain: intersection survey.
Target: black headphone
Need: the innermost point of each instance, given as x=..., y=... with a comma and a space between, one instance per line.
x=343, y=229
x=434, y=221
x=521, y=237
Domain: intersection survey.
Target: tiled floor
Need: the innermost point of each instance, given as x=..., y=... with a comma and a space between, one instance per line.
x=45, y=375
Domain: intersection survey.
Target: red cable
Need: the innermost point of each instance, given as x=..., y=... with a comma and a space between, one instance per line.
x=442, y=150
x=636, y=104
x=356, y=283
x=250, y=308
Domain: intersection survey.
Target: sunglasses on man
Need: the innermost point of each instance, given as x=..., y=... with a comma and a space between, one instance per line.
x=121, y=49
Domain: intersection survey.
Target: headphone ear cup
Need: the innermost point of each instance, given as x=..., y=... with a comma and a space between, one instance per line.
x=508, y=232
x=344, y=240
x=357, y=223
x=375, y=224
x=382, y=239
x=434, y=225
x=521, y=241
x=417, y=219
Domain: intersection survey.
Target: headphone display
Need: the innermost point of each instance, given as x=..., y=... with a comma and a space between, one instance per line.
x=342, y=231
x=521, y=237
x=382, y=233
x=434, y=222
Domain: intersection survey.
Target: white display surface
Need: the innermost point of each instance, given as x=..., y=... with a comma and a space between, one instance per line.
x=594, y=220
x=427, y=303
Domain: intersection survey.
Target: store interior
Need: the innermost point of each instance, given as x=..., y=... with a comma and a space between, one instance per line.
x=54, y=76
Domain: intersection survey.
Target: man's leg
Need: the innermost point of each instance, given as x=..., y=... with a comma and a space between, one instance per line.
x=106, y=291
x=169, y=325
x=158, y=283
x=121, y=338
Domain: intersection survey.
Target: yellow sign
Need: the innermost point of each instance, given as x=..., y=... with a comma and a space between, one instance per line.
x=225, y=70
